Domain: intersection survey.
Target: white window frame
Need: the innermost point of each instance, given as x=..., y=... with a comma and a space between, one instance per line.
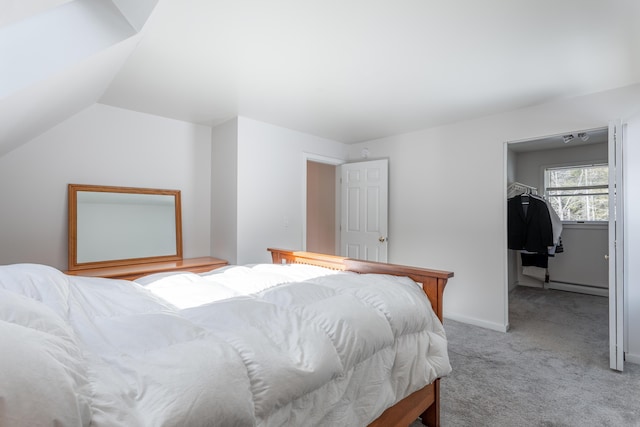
x=575, y=166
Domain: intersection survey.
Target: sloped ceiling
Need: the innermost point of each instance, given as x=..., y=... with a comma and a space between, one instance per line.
x=346, y=70
x=58, y=57
x=362, y=69
x=18, y=10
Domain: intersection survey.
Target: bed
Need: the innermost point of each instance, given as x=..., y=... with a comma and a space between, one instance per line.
x=363, y=345
x=424, y=403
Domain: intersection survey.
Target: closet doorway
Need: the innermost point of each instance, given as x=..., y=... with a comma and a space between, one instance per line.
x=583, y=262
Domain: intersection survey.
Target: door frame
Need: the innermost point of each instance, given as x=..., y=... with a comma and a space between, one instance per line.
x=318, y=159
x=616, y=246
x=617, y=321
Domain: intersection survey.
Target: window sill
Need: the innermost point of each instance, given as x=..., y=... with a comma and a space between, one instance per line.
x=591, y=225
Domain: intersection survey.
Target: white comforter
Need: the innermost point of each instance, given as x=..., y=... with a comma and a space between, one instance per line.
x=267, y=345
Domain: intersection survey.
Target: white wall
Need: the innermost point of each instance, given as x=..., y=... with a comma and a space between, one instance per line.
x=448, y=192
x=530, y=165
x=101, y=145
x=224, y=191
x=271, y=190
x=583, y=260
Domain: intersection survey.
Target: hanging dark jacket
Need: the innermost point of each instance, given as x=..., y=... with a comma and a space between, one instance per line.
x=532, y=231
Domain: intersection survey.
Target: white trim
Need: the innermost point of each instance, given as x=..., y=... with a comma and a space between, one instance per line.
x=322, y=159
x=616, y=248
x=582, y=289
x=477, y=322
x=505, y=238
x=532, y=283
x=625, y=249
x=586, y=225
x=632, y=358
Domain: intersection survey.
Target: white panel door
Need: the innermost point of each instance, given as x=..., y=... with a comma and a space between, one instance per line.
x=364, y=210
x=616, y=246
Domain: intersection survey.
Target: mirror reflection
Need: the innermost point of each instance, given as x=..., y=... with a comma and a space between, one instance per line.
x=120, y=225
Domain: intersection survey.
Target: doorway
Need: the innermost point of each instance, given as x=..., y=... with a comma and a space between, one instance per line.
x=582, y=266
x=321, y=203
x=320, y=226
x=352, y=200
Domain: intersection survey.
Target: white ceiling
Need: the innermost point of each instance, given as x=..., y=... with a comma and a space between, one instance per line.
x=573, y=139
x=363, y=69
x=349, y=70
x=16, y=10
x=58, y=58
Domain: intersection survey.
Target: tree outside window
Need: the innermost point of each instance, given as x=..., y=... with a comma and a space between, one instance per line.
x=579, y=193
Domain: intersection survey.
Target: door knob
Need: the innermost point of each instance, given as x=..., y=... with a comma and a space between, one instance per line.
x=606, y=257
x=382, y=239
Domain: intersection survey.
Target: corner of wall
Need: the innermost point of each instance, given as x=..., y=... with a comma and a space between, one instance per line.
x=477, y=322
x=224, y=191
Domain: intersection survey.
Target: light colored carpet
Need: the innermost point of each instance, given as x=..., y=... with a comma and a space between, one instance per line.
x=550, y=370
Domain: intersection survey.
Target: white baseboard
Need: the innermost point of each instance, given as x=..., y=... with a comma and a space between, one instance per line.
x=632, y=358
x=477, y=322
x=530, y=283
x=583, y=289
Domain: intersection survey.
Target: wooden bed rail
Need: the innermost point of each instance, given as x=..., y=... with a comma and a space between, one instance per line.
x=424, y=403
x=433, y=281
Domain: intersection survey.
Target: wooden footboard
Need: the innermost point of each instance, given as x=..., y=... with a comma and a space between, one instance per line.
x=424, y=403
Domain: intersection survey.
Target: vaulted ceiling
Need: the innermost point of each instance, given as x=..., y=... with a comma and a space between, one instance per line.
x=346, y=70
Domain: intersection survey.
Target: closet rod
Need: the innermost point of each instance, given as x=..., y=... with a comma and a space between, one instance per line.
x=518, y=186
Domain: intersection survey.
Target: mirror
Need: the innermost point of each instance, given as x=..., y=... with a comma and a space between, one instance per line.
x=113, y=226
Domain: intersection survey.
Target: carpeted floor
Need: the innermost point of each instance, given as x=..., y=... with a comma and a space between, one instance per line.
x=550, y=370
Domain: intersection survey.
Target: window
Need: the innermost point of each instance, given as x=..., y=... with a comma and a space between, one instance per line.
x=579, y=193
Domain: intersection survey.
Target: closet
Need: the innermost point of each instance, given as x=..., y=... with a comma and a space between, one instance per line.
x=575, y=260
x=534, y=230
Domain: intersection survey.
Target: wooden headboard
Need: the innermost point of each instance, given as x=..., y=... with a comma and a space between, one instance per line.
x=432, y=281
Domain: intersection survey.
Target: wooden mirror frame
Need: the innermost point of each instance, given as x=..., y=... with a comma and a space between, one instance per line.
x=73, y=190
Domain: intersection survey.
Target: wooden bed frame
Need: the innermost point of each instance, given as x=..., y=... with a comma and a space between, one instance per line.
x=424, y=403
